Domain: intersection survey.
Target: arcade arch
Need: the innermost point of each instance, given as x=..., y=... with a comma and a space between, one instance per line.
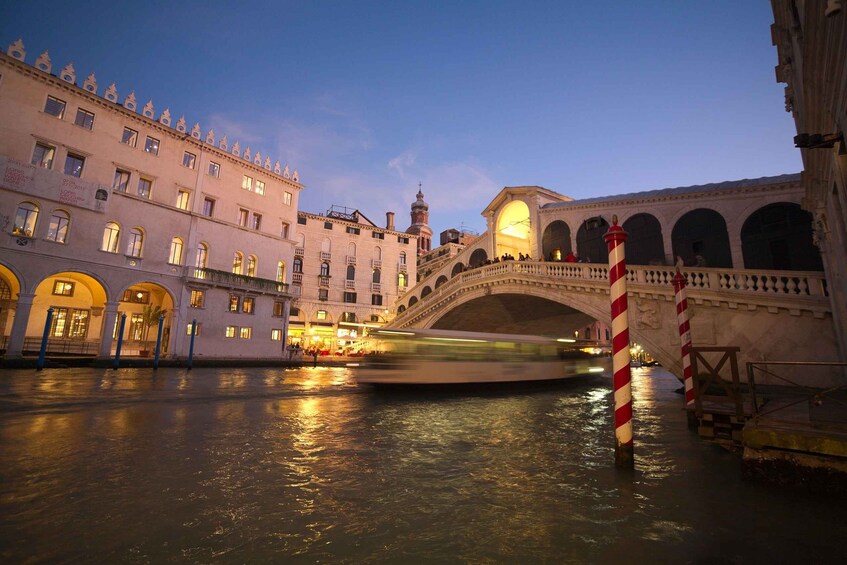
x=644, y=245
x=702, y=232
x=779, y=236
x=513, y=229
x=556, y=241
x=590, y=245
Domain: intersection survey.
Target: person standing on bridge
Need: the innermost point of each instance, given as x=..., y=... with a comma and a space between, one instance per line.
x=570, y=257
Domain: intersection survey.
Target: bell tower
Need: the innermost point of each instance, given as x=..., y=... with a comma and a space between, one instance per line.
x=420, y=223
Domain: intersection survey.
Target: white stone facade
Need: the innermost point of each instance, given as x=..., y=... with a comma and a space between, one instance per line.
x=105, y=210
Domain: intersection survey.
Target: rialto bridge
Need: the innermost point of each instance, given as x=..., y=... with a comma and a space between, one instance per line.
x=761, y=288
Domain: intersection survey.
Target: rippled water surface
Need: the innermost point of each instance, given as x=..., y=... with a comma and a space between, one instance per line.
x=272, y=465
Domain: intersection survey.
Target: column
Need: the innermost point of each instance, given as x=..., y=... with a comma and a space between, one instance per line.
x=110, y=314
x=16, y=338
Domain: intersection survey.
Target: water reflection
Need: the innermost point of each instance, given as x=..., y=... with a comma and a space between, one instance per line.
x=268, y=465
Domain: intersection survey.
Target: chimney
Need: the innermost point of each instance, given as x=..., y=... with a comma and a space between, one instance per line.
x=389, y=221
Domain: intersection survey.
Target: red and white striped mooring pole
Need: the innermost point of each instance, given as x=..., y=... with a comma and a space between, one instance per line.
x=615, y=239
x=684, y=334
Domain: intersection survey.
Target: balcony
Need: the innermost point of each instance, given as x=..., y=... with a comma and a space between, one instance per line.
x=376, y=263
x=349, y=285
x=297, y=278
x=326, y=256
x=401, y=290
x=351, y=259
x=299, y=251
x=231, y=281
x=323, y=281
x=375, y=287
x=402, y=267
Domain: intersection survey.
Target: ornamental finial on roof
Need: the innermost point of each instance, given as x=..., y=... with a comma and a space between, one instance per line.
x=129, y=101
x=90, y=83
x=43, y=62
x=195, y=131
x=165, y=118
x=224, y=144
x=111, y=93
x=210, y=137
x=68, y=74
x=16, y=50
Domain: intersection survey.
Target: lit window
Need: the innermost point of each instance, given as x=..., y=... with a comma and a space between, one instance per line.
x=402, y=280
x=63, y=288
x=130, y=137
x=260, y=187
x=121, y=180
x=182, y=197
x=43, y=155
x=196, y=329
x=208, y=207
x=55, y=107
x=69, y=323
x=111, y=234
x=58, y=229
x=238, y=263
x=321, y=315
x=287, y=199
x=243, y=215
x=84, y=119
x=251, y=266
x=188, y=159
x=280, y=272
x=74, y=164
x=230, y=331
x=136, y=239
x=136, y=296
x=197, y=298
x=144, y=186
x=247, y=182
x=214, y=169
x=257, y=221
x=151, y=145
x=245, y=333
x=175, y=257
x=202, y=254
x=276, y=335
x=234, y=302
x=25, y=219
x=247, y=305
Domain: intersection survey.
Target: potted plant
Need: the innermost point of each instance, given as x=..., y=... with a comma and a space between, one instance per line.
x=149, y=319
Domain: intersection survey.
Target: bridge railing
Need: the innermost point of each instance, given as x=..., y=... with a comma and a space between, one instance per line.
x=744, y=281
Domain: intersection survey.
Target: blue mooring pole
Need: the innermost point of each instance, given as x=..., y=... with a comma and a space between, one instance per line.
x=42, y=353
x=191, y=345
x=120, y=342
x=158, y=341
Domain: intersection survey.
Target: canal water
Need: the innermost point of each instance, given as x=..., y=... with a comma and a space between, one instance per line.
x=305, y=466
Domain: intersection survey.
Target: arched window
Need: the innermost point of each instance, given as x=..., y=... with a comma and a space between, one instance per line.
x=377, y=254
x=238, y=263
x=252, y=265
x=58, y=229
x=351, y=272
x=351, y=249
x=324, y=269
x=402, y=259
x=175, y=257
x=326, y=245
x=701, y=238
x=645, y=245
x=280, y=271
x=111, y=235
x=202, y=255
x=556, y=241
x=590, y=245
x=135, y=242
x=402, y=280
x=297, y=265
x=376, y=276
x=25, y=219
x=478, y=258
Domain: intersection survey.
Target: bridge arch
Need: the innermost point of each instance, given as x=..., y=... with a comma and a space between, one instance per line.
x=779, y=236
x=457, y=269
x=703, y=232
x=556, y=241
x=440, y=281
x=590, y=245
x=478, y=257
x=644, y=246
x=426, y=291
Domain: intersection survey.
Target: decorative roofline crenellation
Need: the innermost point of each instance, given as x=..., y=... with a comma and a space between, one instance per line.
x=43, y=63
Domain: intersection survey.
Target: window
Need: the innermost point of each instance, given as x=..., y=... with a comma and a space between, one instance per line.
x=257, y=221
x=55, y=107
x=287, y=200
x=320, y=315
x=74, y=164
x=237, y=263
x=84, y=118
x=280, y=271
x=349, y=317
x=351, y=272
x=350, y=297
x=245, y=333
x=230, y=331
x=214, y=169
x=25, y=219
x=43, y=155
x=260, y=187
x=251, y=266
x=376, y=276
x=324, y=269
x=283, y=232
x=247, y=183
x=377, y=235
x=402, y=258
x=57, y=231
x=294, y=312
x=352, y=230
x=111, y=233
x=402, y=280
x=121, y=181
x=234, y=302
x=175, y=256
x=197, y=299
x=301, y=220
x=208, y=207
x=151, y=145
x=130, y=137
x=376, y=299
x=136, y=239
x=202, y=254
x=144, y=187
x=136, y=296
x=63, y=288
x=297, y=265
x=247, y=305
x=276, y=335
x=69, y=323
x=196, y=329
x=243, y=215
x=182, y=197
x=401, y=239
x=189, y=159
x=279, y=309
x=327, y=225
x=323, y=294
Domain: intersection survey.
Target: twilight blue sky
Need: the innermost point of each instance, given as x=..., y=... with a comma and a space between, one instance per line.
x=366, y=99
